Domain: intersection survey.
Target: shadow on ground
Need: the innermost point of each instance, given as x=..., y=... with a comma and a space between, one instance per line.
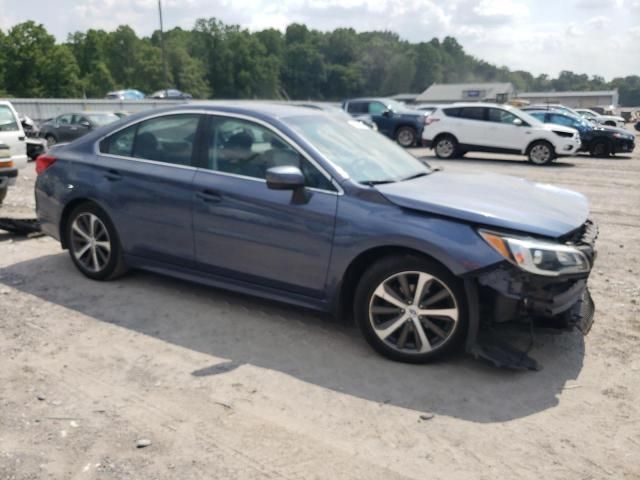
x=309, y=346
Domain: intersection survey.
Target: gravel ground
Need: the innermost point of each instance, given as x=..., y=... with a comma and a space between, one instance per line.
x=219, y=385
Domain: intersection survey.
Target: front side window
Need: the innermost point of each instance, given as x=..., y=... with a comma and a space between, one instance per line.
x=167, y=139
x=501, y=116
x=65, y=119
x=377, y=108
x=245, y=148
x=8, y=122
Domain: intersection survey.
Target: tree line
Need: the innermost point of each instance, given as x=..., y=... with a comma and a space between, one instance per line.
x=215, y=60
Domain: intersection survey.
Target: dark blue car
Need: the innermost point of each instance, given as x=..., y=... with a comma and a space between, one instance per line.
x=304, y=207
x=392, y=118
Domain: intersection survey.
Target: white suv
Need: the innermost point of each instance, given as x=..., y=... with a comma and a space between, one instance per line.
x=455, y=129
x=12, y=134
x=609, y=120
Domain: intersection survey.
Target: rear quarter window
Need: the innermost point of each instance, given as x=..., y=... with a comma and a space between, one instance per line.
x=120, y=143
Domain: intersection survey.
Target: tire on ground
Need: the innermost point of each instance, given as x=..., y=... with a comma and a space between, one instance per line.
x=386, y=268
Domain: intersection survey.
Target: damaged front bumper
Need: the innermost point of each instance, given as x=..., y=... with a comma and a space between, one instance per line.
x=506, y=294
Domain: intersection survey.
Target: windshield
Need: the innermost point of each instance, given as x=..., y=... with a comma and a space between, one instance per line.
x=364, y=155
x=530, y=119
x=101, y=120
x=7, y=120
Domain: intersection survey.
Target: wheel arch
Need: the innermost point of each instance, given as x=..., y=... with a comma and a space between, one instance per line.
x=346, y=292
x=66, y=212
x=444, y=134
x=540, y=139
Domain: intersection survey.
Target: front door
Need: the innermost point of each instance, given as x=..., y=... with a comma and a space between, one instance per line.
x=247, y=231
x=505, y=130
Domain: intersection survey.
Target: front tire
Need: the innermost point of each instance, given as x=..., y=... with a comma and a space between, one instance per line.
x=406, y=137
x=93, y=243
x=411, y=309
x=446, y=147
x=541, y=153
x=600, y=150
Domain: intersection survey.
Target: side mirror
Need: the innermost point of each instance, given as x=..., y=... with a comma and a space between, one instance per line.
x=285, y=178
x=85, y=124
x=387, y=113
x=518, y=123
x=289, y=178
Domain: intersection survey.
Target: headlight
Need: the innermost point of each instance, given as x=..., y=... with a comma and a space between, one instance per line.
x=537, y=256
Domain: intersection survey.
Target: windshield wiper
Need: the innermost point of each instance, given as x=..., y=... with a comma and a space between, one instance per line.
x=417, y=175
x=373, y=183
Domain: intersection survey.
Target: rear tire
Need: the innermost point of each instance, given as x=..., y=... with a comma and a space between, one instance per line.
x=541, y=152
x=93, y=243
x=51, y=140
x=600, y=149
x=411, y=309
x=446, y=147
x=406, y=137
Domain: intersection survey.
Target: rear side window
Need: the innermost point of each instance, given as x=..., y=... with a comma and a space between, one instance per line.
x=451, y=112
x=358, y=107
x=168, y=139
x=8, y=122
x=472, y=113
x=120, y=143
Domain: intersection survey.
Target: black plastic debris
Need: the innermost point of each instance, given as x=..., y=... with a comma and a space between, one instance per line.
x=20, y=226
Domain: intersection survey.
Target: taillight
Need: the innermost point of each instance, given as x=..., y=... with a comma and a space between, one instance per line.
x=429, y=120
x=43, y=162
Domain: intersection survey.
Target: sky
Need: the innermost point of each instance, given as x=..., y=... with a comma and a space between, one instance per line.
x=597, y=37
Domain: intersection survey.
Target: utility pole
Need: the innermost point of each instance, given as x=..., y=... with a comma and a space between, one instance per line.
x=164, y=54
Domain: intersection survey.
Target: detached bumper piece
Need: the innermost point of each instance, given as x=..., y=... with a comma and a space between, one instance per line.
x=20, y=226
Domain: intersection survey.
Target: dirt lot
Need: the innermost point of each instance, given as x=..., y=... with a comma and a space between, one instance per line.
x=226, y=386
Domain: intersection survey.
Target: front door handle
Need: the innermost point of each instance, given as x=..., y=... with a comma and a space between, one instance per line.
x=113, y=176
x=208, y=196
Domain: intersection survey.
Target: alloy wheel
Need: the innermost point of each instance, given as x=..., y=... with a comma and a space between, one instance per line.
x=444, y=148
x=413, y=312
x=90, y=242
x=540, y=154
x=406, y=137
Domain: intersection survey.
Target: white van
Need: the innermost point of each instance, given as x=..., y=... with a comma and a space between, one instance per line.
x=12, y=134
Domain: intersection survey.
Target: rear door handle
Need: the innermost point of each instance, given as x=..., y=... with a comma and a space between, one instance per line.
x=208, y=196
x=113, y=176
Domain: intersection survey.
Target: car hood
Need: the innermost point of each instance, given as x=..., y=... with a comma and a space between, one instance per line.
x=493, y=200
x=558, y=128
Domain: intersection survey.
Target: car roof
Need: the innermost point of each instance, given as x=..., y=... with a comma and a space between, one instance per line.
x=370, y=99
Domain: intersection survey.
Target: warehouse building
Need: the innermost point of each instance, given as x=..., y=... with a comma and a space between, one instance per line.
x=467, y=92
x=596, y=98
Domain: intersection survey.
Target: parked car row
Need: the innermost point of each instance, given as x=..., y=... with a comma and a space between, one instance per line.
x=69, y=126
x=13, y=149
x=132, y=94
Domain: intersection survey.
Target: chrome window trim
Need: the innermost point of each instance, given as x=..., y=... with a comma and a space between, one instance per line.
x=289, y=140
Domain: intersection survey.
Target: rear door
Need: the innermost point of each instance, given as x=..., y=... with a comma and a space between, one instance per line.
x=145, y=175
x=247, y=231
x=472, y=125
x=12, y=135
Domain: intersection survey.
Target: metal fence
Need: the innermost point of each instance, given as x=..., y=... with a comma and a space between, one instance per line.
x=40, y=109
x=43, y=108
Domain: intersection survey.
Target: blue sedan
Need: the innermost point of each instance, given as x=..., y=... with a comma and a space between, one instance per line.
x=318, y=211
